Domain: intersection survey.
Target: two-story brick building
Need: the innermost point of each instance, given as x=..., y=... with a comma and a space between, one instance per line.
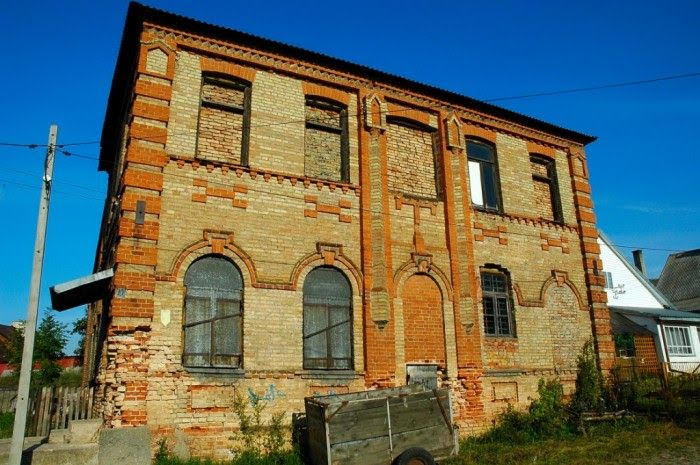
x=287, y=223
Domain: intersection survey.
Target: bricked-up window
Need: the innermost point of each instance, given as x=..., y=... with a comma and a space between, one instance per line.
x=224, y=120
x=678, y=341
x=412, y=162
x=498, y=314
x=483, y=175
x=544, y=179
x=327, y=320
x=212, y=322
x=326, y=141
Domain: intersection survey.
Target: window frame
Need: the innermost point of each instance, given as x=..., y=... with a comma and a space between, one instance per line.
x=688, y=337
x=213, y=296
x=494, y=296
x=609, y=283
x=552, y=181
x=330, y=361
x=328, y=104
x=498, y=208
x=231, y=83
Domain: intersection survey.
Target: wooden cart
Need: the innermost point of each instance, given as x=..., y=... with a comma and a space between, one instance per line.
x=397, y=425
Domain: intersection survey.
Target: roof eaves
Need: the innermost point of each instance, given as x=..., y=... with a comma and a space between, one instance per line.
x=138, y=13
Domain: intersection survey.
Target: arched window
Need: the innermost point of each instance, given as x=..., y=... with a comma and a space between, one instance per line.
x=498, y=308
x=213, y=314
x=327, y=320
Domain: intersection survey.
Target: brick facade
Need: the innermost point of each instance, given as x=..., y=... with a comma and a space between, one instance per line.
x=399, y=225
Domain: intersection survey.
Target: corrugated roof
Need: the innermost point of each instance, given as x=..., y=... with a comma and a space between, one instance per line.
x=662, y=314
x=138, y=13
x=680, y=279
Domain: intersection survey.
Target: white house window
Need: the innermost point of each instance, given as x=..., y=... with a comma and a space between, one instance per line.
x=608, y=280
x=678, y=340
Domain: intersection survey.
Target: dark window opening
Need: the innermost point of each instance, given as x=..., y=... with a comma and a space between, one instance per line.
x=498, y=314
x=483, y=176
x=544, y=178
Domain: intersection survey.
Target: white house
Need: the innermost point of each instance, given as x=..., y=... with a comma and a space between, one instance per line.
x=638, y=309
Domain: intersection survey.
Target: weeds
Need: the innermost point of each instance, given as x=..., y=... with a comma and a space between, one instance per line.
x=7, y=423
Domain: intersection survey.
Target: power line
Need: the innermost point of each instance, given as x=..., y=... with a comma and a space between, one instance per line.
x=429, y=107
x=600, y=87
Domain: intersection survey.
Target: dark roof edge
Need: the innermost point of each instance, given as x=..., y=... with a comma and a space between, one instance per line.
x=138, y=13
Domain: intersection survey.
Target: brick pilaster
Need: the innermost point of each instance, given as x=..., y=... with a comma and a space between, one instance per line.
x=595, y=282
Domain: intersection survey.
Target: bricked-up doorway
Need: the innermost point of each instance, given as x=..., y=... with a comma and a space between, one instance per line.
x=424, y=327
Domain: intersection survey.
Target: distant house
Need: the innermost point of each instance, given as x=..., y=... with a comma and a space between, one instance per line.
x=680, y=280
x=5, y=331
x=646, y=325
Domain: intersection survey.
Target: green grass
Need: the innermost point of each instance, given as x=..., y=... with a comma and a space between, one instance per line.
x=282, y=458
x=637, y=443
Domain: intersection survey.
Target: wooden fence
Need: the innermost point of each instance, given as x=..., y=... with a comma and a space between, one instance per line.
x=51, y=407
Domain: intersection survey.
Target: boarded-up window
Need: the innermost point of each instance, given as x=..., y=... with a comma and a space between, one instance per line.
x=483, y=175
x=544, y=180
x=224, y=117
x=412, y=163
x=327, y=320
x=212, y=322
x=326, y=141
x=498, y=318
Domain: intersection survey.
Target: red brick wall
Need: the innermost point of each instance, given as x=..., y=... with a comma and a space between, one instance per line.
x=424, y=334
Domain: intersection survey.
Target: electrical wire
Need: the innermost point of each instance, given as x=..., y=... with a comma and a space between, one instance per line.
x=428, y=107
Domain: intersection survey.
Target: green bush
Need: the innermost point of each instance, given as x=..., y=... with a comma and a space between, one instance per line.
x=589, y=384
x=7, y=423
x=545, y=418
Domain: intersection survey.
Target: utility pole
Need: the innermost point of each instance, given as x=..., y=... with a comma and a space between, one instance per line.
x=33, y=306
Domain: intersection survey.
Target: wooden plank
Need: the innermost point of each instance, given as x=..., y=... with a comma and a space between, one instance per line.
x=91, y=395
x=359, y=425
x=433, y=439
x=64, y=409
x=415, y=415
x=374, y=451
x=335, y=399
x=43, y=412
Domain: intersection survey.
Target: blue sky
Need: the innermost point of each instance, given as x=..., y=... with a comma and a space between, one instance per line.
x=58, y=59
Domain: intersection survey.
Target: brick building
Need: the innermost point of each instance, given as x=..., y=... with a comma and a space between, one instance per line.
x=287, y=223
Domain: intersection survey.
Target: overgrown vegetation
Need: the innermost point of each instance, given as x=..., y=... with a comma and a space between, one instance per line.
x=259, y=441
x=552, y=431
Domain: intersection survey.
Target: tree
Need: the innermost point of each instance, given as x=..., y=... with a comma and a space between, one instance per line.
x=79, y=328
x=49, y=343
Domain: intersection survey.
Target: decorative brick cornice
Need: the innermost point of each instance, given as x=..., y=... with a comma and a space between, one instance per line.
x=527, y=220
x=265, y=175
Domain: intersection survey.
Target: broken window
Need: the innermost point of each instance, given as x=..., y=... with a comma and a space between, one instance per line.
x=544, y=179
x=326, y=141
x=213, y=316
x=483, y=175
x=224, y=120
x=498, y=318
x=327, y=320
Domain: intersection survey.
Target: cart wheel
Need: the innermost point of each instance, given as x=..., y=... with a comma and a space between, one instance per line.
x=415, y=456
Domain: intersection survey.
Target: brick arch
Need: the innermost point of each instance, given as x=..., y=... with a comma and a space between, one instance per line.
x=211, y=65
x=214, y=243
x=558, y=278
x=315, y=90
x=565, y=323
x=330, y=255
